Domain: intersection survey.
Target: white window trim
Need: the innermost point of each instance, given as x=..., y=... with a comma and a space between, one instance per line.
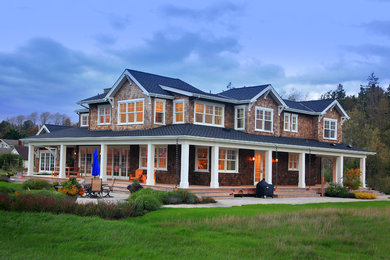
x=196, y=159
x=140, y=159
x=51, y=157
x=145, y=168
x=335, y=130
x=235, y=117
x=210, y=104
x=81, y=119
x=174, y=110
x=155, y=111
x=272, y=121
x=297, y=162
x=104, y=106
x=225, y=160
x=135, y=114
x=294, y=116
x=287, y=115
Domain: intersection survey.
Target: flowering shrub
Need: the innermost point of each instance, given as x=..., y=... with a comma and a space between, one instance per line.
x=71, y=187
x=365, y=195
x=352, y=179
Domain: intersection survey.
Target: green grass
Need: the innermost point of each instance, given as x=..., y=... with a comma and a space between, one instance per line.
x=10, y=186
x=356, y=230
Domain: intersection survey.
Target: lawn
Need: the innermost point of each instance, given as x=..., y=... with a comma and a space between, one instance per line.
x=356, y=230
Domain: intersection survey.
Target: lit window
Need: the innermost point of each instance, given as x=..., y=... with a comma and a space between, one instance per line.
x=287, y=117
x=239, y=120
x=104, y=115
x=209, y=114
x=228, y=160
x=330, y=128
x=178, y=111
x=159, y=112
x=160, y=157
x=84, y=120
x=294, y=123
x=264, y=119
x=292, y=162
x=202, y=159
x=131, y=111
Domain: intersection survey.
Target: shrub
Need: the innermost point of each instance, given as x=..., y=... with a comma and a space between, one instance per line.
x=365, y=195
x=4, y=201
x=172, y=197
x=351, y=179
x=381, y=184
x=147, y=203
x=45, y=193
x=71, y=187
x=191, y=198
x=36, y=184
x=160, y=195
x=135, y=186
x=207, y=200
x=336, y=190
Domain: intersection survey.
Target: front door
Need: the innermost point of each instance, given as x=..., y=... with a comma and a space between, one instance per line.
x=259, y=166
x=46, y=162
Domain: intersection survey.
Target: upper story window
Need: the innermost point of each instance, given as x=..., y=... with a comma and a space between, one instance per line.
x=84, y=119
x=202, y=159
x=290, y=122
x=178, y=111
x=131, y=111
x=228, y=160
x=104, y=115
x=159, y=112
x=160, y=157
x=292, y=162
x=209, y=114
x=330, y=128
x=239, y=117
x=264, y=119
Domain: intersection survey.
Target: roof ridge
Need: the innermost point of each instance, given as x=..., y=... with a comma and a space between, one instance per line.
x=155, y=75
x=264, y=85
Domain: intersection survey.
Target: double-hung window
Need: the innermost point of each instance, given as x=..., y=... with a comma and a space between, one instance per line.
x=159, y=112
x=160, y=157
x=264, y=119
x=293, y=162
x=178, y=111
x=131, y=111
x=228, y=160
x=239, y=117
x=104, y=115
x=330, y=128
x=84, y=119
x=202, y=159
x=290, y=122
x=209, y=114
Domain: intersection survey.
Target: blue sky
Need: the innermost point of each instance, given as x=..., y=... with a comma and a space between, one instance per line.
x=54, y=53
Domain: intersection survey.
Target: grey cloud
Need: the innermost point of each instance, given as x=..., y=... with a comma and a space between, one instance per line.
x=105, y=39
x=378, y=27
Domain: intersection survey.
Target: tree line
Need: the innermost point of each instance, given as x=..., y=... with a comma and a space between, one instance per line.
x=27, y=125
x=369, y=127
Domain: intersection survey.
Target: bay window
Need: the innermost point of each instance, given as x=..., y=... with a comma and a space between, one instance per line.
x=264, y=119
x=209, y=114
x=131, y=111
x=330, y=128
x=228, y=160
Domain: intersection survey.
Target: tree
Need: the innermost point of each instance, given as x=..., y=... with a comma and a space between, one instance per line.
x=338, y=94
x=33, y=117
x=13, y=134
x=44, y=117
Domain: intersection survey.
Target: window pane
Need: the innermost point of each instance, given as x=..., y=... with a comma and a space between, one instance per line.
x=199, y=118
x=268, y=125
x=199, y=108
x=123, y=108
x=140, y=106
x=130, y=107
x=131, y=117
x=221, y=165
x=179, y=117
x=123, y=118
x=140, y=117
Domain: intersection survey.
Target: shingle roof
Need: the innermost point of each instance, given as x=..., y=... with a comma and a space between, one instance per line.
x=22, y=151
x=197, y=131
x=244, y=93
x=54, y=128
x=11, y=142
x=310, y=106
x=5, y=150
x=96, y=97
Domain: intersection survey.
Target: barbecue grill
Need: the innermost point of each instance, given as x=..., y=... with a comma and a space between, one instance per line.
x=264, y=189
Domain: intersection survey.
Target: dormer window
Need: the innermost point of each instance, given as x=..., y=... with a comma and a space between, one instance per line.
x=330, y=129
x=159, y=112
x=209, y=114
x=104, y=115
x=178, y=111
x=84, y=120
x=264, y=119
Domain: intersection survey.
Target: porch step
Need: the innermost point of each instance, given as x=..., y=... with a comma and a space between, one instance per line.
x=292, y=192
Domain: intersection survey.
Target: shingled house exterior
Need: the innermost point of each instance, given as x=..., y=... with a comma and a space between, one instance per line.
x=181, y=135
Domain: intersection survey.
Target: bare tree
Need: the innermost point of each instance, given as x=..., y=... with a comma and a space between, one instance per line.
x=33, y=117
x=19, y=120
x=57, y=118
x=44, y=117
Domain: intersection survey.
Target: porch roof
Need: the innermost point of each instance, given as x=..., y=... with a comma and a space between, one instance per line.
x=178, y=130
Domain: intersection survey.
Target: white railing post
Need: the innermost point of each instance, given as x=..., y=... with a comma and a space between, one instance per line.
x=302, y=170
x=150, y=168
x=185, y=152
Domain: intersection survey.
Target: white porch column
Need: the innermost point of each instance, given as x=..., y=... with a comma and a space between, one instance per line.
x=302, y=170
x=214, y=167
x=150, y=168
x=185, y=156
x=103, y=162
x=363, y=171
x=30, y=170
x=268, y=166
x=339, y=169
x=62, y=161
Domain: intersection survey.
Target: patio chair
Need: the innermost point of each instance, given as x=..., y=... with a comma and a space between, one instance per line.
x=87, y=186
x=138, y=175
x=109, y=188
x=96, y=188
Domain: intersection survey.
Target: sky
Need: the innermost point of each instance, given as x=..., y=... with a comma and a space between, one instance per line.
x=55, y=53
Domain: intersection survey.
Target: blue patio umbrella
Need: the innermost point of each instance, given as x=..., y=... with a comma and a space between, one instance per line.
x=95, y=164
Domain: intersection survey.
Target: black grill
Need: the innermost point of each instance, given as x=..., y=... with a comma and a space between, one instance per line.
x=264, y=189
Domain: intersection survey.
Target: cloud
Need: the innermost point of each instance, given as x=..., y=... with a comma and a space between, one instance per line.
x=378, y=27
x=105, y=39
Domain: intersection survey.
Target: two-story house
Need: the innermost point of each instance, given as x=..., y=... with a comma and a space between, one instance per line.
x=181, y=135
